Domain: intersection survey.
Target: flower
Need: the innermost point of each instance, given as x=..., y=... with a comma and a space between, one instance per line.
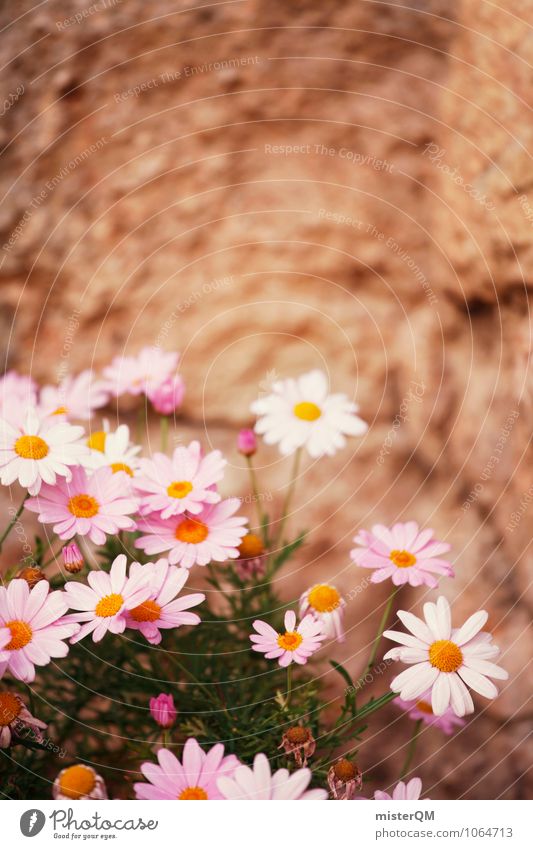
x=162, y=608
x=32, y=629
x=32, y=575
x=421, y=709
x=213, y=534
x=402, y=791
x=185, y=483
x=344, y=779
x=163, y=710
x=246, y=442
x=251, y=563
x=194, y=778
x=89, y=506
x=17, y=394
x=298, y=741
x=72, y=558
x=444, y=659
x=104, y=602
x=295, y=645
x=38, y=451
x=325, y=603
x=75, y=397
x=167, y=396
x=16, y=720
x=79, y=781
x=299, y=412
x=403, y=553
x=257, y=782
x=143, y=373
x=112, y=449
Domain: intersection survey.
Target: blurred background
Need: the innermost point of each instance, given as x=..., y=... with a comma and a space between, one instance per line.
x=274, y=187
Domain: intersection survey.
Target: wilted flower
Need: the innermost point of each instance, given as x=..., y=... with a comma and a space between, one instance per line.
x=72, y=558
x=251, y=563
x=344, y=779
x=163, y=710
x=298, y=741
x=247, y=442
x=16, y=719
x=32, y=575
x=79, y=782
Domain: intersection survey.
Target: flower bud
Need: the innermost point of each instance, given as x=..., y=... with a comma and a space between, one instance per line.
x=72, y=558
x=246, y=442
x=167, y=396
x=163, y=710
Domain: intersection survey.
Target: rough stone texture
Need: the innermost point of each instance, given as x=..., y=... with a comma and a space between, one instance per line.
x=166, y=218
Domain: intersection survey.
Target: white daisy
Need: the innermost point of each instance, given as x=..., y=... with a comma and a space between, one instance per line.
x=38, y=450
x=445, y=659
x=113, y=449
x=327, y=605
x=300, y=412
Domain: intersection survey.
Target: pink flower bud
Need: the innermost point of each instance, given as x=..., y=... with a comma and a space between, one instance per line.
x=163, y=710
x=247, y=442
x=168, y=395
x=72, y=558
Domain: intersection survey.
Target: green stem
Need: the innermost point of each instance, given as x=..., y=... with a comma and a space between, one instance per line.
x=381, y=628
x=412, y=748
x=255, y=489
x=166, y=739
x=288, y=497
x=289, y=683
x=13, y=522
x=163, y=425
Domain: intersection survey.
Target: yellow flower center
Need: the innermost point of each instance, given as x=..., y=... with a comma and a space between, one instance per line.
x=324, y=598
x=193, y=793
x=148, y=611
x=10, y=707
x=402, y=559
x=344, y=770
x=122, y=467
x=179, y=489
x=61, y=411
x=77, y=781
x=83, y=506
x=425, y=707
x=290, y=640
x=109, y=605
x=251, y=546
x=445, y=655
x=31, y=447
x=96, y=440
x=21, y=634
x=307, y=411
x=191, y=530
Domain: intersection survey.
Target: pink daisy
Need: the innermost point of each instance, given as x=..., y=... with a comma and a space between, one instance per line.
x=443, y=659
x=32, y=628
x=18, y=393
x=38, y=451
x=257, y=782
x=421, y=709
x=162, y=609
x=183, y=483
x=141, y=374
x=195, y=777
x=75, y=397
x=403, y=553
x=402, y=791
x=89, y=506
x=213, y=534
x=107, y=598
x=296, y=644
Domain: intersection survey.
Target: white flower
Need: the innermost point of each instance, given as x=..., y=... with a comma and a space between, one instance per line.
x=327, y=605
x=259, y=783
x=38, y=450
x=113, y=449
x=445, y=659
x=299, y=412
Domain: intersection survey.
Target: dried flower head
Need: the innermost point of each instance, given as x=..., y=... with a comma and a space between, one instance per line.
x=344, y=779
x=298, y=741
x=32, y=575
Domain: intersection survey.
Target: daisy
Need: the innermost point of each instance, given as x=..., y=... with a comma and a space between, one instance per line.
x=213, y=534
x=300, y=412
x=38, y=451
x=444, y=659
x=194, y=778
x=143, y=373
x=186, y=482
x=420, y=709
x=107, y=598
x=89, y=506
x=75, y=397
x=403, y=553
x=113, y=449
x=16, y=720
x=162, y=608
x=17, y=394
x=402, y=791
x=79, y=781
x=294, y=645
x=32, y=628
x=257, y=782
x=344, y=779
x=324, y=602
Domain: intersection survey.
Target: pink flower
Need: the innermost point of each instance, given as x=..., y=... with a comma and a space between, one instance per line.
x=259, y=783
x=107, y=598
x=214, y=534
x=18, y=393
x=421, y=709
x=163, y=710
x=167, y=396
x=32, y=628
x=403, y=553
x=72, y=558
x=402, y=791
x=143, y=373
x=75, y=397
x=247, y=442
x=185, y=483
x=162, y=609
x=93, y=507
x=195, y=777
x=295, y=645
